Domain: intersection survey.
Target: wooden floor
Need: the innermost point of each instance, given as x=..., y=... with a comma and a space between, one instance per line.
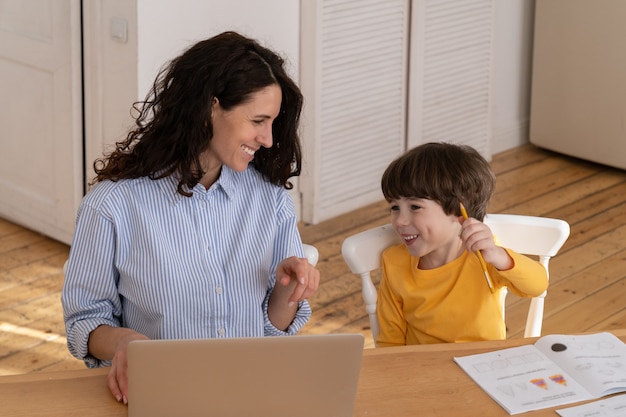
x=587, y=290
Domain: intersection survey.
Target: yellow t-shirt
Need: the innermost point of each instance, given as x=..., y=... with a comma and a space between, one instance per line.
x=451, y=303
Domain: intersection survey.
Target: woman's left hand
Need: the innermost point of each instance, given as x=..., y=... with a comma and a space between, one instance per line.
x=299, y=276
x=296, y=280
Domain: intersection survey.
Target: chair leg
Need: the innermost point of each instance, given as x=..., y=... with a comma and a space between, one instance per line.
x=370, y=295
x=535, y=317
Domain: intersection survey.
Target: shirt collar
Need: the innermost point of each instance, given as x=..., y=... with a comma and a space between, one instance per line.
x=227, y=182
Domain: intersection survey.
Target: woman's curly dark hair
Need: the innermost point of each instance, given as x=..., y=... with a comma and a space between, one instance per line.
x=173, y=124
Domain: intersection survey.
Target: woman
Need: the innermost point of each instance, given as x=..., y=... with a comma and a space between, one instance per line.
x=189, y=230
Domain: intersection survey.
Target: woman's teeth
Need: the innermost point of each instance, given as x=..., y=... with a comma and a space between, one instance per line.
x=247, y=150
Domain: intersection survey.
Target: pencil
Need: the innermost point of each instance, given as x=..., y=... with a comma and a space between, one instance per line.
x=480, y=255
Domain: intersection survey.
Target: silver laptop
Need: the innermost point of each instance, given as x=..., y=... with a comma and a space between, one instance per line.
x=304, y=376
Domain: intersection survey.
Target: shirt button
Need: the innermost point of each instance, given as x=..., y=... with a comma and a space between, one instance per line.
x=219, y=290
x=221, y=332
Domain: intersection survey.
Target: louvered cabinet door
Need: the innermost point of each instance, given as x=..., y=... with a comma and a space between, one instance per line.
x=450, y=97
x=380, y=77
x=353, y=73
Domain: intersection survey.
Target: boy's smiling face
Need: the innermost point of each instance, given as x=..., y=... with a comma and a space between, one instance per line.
x=426, y=230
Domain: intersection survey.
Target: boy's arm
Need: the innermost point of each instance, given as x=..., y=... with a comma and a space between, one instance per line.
x=527, y=277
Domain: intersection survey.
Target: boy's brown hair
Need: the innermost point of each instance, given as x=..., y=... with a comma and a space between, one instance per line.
x=445, y=173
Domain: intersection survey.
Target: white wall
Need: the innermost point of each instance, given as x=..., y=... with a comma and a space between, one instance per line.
x=109, y=73
x=512, y=73
x=166, y=28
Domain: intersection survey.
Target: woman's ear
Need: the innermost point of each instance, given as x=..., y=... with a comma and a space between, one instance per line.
x=215, y=103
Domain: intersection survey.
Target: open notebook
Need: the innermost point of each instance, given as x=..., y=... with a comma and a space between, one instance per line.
x=309, y=375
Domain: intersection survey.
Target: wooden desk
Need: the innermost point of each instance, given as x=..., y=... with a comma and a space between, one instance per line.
x=394, y=382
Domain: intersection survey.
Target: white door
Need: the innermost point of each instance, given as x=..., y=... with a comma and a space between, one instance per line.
x=41, y=163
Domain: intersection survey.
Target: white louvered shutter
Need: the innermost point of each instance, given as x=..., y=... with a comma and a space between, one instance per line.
x=353, y=73
x=451, y=72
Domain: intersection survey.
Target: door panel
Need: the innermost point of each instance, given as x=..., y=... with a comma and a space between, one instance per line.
x=41, y=164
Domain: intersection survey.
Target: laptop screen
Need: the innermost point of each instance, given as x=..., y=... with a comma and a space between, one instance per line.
x=308, y=375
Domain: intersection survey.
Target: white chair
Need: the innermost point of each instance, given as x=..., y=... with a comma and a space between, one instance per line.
x=311, y=253
x=362, y=252
x=528, y=235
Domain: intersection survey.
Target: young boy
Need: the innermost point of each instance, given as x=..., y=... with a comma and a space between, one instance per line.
x=433, y=289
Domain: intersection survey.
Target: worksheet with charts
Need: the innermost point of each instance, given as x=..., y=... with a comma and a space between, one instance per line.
x=556, y=370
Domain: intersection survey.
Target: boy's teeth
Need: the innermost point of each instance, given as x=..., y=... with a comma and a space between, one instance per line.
x=410, y=237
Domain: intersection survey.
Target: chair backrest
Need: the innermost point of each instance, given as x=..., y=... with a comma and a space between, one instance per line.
x=311, y=253
x=528, y=235
x=363, y=252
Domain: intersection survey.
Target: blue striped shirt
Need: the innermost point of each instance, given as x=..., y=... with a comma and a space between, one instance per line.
x=175, y=267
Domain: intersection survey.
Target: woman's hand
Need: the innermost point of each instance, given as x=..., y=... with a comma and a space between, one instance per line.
x=296, y=280
x=300, y=276
x=107, y=342
x=477, y=236
x=118, y=375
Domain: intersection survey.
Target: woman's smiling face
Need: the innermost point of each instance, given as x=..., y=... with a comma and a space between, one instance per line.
x=239, y=132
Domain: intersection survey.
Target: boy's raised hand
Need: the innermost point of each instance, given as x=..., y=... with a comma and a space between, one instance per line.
x=477, y=236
